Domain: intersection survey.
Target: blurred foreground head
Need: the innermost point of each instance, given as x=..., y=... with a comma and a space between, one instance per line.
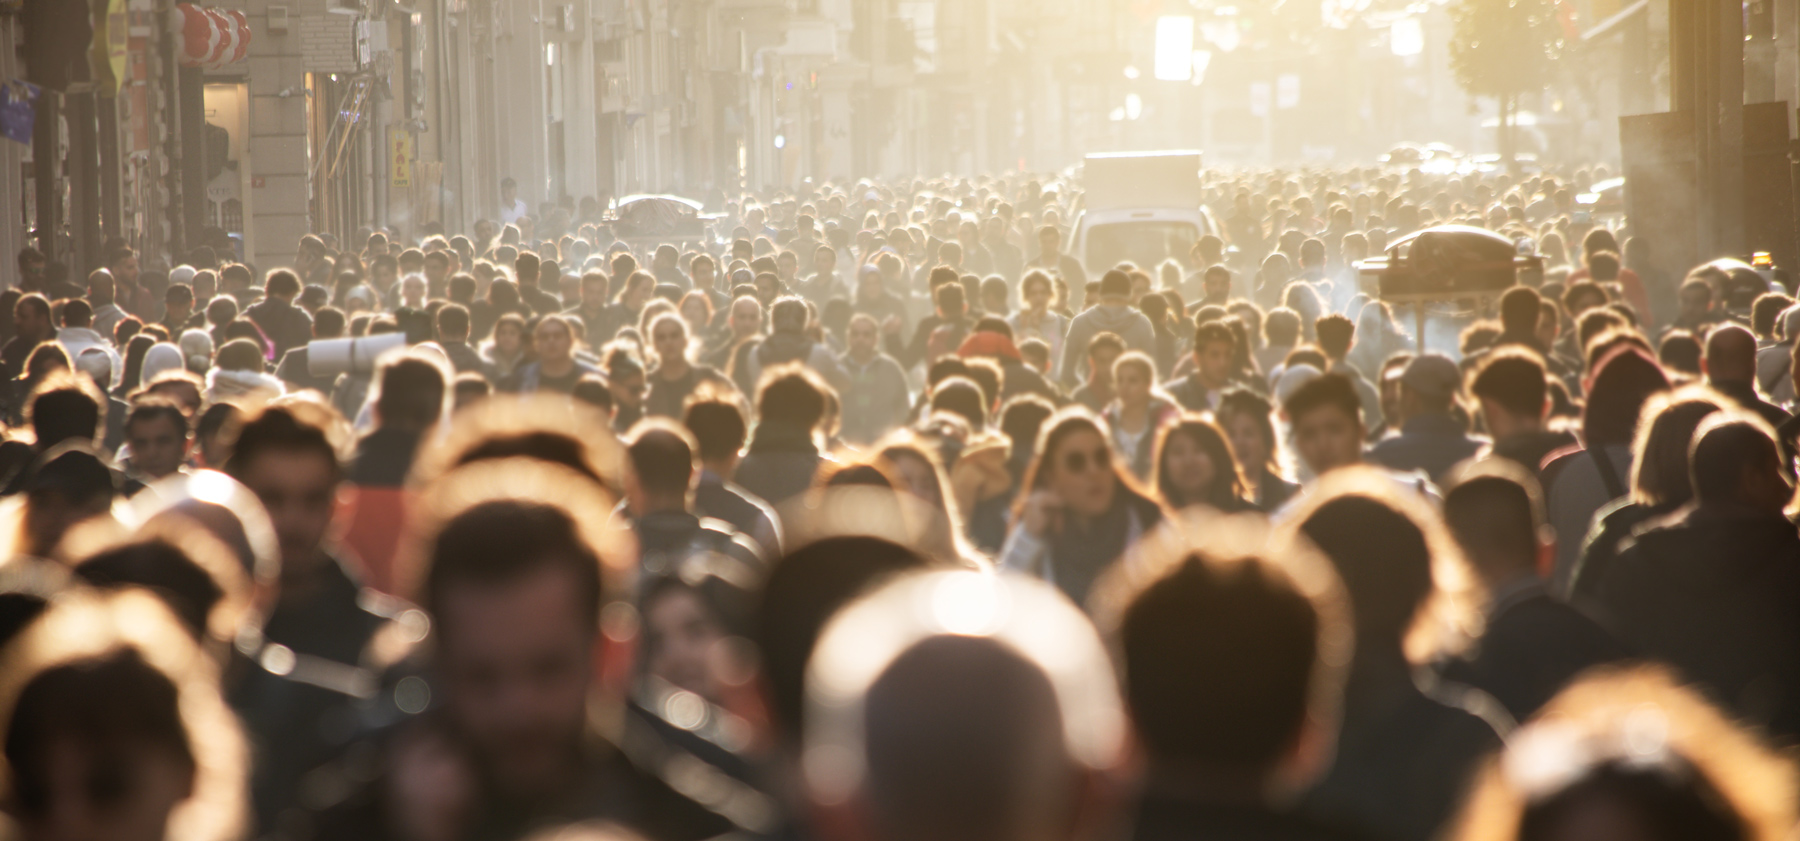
x=1630, y=755
x=115, y=728
x=960, y=706
x=1233, y=642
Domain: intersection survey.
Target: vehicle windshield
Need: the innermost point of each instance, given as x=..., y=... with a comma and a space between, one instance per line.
x=1143, y=243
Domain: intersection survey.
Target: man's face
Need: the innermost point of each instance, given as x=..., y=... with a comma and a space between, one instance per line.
x=437, y=267
x=863, y=336
x=1037, y=296
x=126, y=270
x=158, y=446
x=33, y=268
x=1327, y=439
x=824, y=261
x=515, y=661
x=552, y=340
x=746, y=318
x=1214, y=361
x=299, y=490
x=1103, y=360
x=508, y=193
x=703, y=276
x=787, y=264
x=413, y=290
x=1693, y=304
x=1048, y=242
x=1218, y=286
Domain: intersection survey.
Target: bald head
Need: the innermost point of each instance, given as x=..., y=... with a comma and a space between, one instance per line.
x=1731, y=355
x=964, y=741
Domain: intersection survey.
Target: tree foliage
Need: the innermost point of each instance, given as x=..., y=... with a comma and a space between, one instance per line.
x=1504, y=48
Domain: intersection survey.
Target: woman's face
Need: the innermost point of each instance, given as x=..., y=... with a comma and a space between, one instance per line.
x=506, y=338
x=694, y=313
x=670, y=340
x=637, y=294
x=1247, y=441
x=765, y=289
x=1081, y=473
x=1133, y=386
x=1190, y=470
x=1037, y=296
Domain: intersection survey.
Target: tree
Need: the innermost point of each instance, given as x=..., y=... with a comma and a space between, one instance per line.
x=1504, y=49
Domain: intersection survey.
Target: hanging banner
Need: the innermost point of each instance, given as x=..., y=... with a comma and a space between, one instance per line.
x=107, y=53
x=18, y=110
x=401, y=158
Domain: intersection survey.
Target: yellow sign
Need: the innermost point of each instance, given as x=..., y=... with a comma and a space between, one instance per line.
x=402, y=158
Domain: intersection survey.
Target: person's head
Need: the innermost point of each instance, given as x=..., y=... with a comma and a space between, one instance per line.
x=1603, y=266
x=1429, y=385
x=553, y=339
x=964, y=726
x=157, y=431
x=1520, y=308
x=1388, y=548
x=1511, y=391
x=1281, y=327
x=791, y=395
x=789, y=315
x=122, y=265
x=77, y=312
x=31, y=316
x=669, y=337
x=1102, y=351
x=1495, y=511
x=962, y=397
x=1680, y=353
x=746, y=318
x=100, y=287
x=951, y=301
x=282, y=284
x=719, y=432
x=1696, y=300
x=1075, y=460
x=1115, y=287
x=515, y=588
x=64, y=407
x=1195, y=465
x=624, y=376
x=1049, y=240
x=663, y=468
x=1336, y=334
x=452, y=323
x=1216, y=285
x=292, y=467
x=1248, y=420
x=1233, y=644
x=1730, y=356
x=1134, y=378
x=1584, y=768
x=1622, y=381
x=1659, y=464
x=1584, y=295
x=1326, y=416
x=1734, y=462
x=1036, y=290
x=411, y=394
x=116, y=727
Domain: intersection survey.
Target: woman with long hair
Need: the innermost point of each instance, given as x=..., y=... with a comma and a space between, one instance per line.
x=1080, y=508
x=1195, y=466
x=506, y=350
x=1248, y=420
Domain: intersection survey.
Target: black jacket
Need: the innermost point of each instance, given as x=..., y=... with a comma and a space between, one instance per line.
x=1533, y=646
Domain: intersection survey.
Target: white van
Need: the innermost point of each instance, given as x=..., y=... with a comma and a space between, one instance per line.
x=1144, y=207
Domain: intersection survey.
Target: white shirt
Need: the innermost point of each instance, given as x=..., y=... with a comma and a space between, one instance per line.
x=509, y=215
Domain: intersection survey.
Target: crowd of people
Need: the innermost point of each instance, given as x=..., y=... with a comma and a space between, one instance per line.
x=873, y=513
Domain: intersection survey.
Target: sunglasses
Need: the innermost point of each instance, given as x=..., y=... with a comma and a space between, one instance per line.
x=1077, y=462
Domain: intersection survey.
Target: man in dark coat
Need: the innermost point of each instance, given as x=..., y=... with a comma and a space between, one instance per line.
x=1716, y=593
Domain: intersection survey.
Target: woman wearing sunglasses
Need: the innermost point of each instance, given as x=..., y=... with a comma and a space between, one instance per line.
x=1082, y=510
x=1195, y=466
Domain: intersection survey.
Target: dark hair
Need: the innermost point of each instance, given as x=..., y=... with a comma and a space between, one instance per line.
x=1622, y=381
x=1256, y=407
x=1228, y=485
x=1335, y=333
x=718, y=427
x=500, y=542
x=107, y=704
x=1281, y=326
x=1325, y=390
x=452, y=320
x=1512, y=377
x=65, y=407
x=1603, y=265
x=149, y=408
x=189, y=590
x=1219, y=662
x=275, y=429
x=803, y=590
x=282, y=282
x=1115, y=284
x=1520, y=309
x=662, y=456
x=1723, y=449
x=960, y=396
x=1104, y=340
x=1495, y=517
x=1586, y=288
x=412, y=392
x=1680, y=351
x=1383, y=558
x=791, y=394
